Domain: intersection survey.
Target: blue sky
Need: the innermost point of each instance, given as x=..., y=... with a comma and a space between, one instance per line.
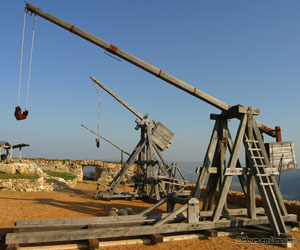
x=241, y=52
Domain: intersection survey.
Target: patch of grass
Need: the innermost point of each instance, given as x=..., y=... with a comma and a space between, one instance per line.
x=46, y=159
x=17, y=176
x=66, y=176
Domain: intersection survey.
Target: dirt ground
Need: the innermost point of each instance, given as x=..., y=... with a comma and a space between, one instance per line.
x=79, y=202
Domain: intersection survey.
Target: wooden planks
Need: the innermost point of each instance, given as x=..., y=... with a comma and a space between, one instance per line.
x=91, y=222
x=233, y=212
x=282, y=155
x=162, y=136
x=117, y=243
x=101, y=233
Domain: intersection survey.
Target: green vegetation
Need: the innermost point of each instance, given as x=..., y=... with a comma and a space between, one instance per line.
x=66, y=176
x=17, y=176
x=67, y=160
x=46, y=159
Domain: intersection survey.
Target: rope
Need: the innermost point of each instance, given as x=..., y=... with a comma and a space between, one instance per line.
x=99, y=105
x=28, y=80
x=20, y=73
x=107, y=130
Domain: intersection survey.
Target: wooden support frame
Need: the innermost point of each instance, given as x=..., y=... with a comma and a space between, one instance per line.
x=156, y=178
x=248, y=176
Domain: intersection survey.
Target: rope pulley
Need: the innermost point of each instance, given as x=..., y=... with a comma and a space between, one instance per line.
x=19, y=115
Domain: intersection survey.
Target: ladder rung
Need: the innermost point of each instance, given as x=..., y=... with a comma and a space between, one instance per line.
x=257, y=157
x=262, y=174
x=259, y=166
x=266, y=184
x=254, y=141
x=254, y=149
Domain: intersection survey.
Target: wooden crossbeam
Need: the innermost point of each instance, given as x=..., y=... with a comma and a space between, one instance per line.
x=171, y=216
x=246, y=171
x=232, y=212
x=92, y=222
x=150, y=209
x=101, y=233
x=87, y=220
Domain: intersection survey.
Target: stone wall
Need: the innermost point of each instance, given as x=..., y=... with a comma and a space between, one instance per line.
x=42, y=183
x=34, y=185
x=104, y=172
x=22, y=168
x=109, y=170
x=27, y=185
x=70, y=167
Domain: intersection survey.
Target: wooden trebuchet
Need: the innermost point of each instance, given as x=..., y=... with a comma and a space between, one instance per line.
x=154, y=178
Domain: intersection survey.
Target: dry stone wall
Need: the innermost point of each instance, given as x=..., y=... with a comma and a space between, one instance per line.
x=42, y=183
x=109, y=170
x=70, y=167
x=27, y=185
x=34, y=185
x=104, y=172
x=22, y=168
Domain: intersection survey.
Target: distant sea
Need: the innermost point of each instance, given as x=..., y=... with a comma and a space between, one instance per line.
x=289, y=182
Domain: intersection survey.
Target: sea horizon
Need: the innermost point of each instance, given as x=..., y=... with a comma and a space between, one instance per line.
x=289, y=180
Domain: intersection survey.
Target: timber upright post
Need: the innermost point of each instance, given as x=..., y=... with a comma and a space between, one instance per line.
x=250, y=178
x=216, y=176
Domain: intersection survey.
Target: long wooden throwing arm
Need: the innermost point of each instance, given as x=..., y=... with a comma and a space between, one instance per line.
x=139, y=63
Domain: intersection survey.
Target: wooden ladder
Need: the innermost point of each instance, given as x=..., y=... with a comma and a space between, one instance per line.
x=260, y=164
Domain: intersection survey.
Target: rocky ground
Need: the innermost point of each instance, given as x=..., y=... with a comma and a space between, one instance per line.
x=79, y=202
